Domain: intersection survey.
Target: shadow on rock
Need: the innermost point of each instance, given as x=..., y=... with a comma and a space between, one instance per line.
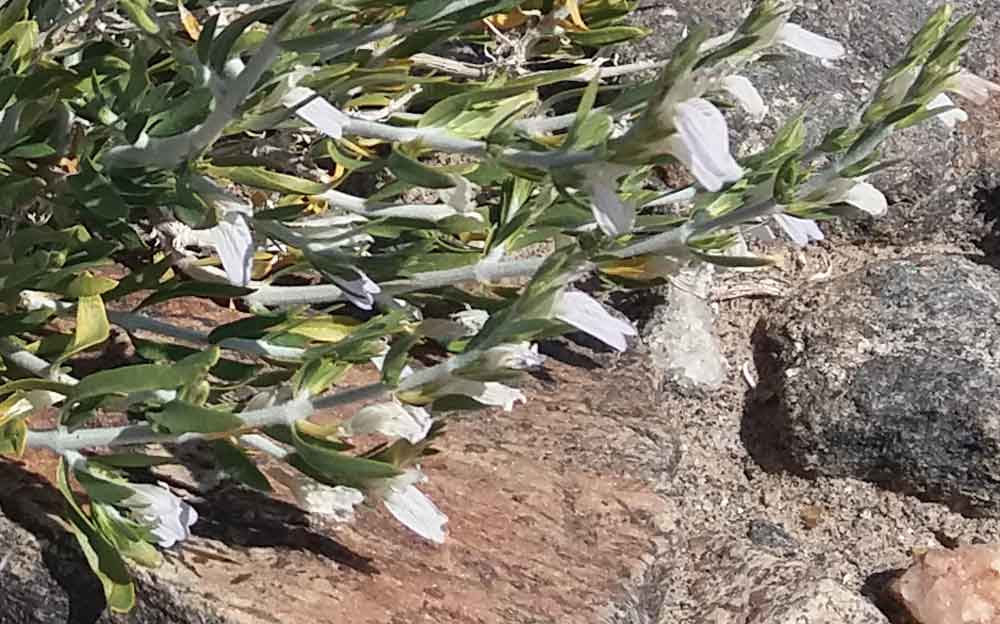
x=27, y=500
x=988, y=206
x=878, y=589
x=765, y=420
x=241, y=517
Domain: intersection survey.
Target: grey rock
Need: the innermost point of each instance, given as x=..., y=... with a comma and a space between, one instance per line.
x=770, y=535
x=889, y=375
x=681, y=337
x=46, y=581
x=740, y=583
x=931, y=193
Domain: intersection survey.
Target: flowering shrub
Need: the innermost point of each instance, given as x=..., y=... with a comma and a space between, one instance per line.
x=414, y=185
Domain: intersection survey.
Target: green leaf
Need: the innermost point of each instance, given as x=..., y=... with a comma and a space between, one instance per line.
x=415, y=172
x=101, y=554
x=92, y=327
x=13, y=437
x=735, y=261
x=239, y=466
x=183, y=417
x=338, y=467
x=262, y=178
x=103, y=490
x=605, y=36
x=395, y=359
x=89, y=285
x=131, y=539
x=317, y=375
x=223, y=44
x=209, y=290
x=14, y=12
x=31, y=151
x=207, y=37
x=137, y=12
x=145, y=377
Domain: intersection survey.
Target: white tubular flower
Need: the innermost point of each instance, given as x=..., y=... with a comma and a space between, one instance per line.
x=746, y=95
x=168, y=517
x=411, y=506
x=472, y=320
x=801, y=231
x=316, y=111
x=336, y=503
x=486, y=392
x=233, y=241
x=702, y=144
x=613, y=216
x=866, y=198
x=969, y=86
x=808, y=42
x=949, y=117
x=360, y=291
x=585, y=313
x=461, y=197
x=973, y=87
x=519, y=356
x=390, y=419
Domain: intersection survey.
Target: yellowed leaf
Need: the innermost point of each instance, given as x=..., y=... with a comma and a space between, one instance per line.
x=189, y=21
x=574, y=13
x=325, y=329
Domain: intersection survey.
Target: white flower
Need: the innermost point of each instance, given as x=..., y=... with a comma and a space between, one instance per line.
x=801, y=231
x=702, y=143
x=519, y=356
x=485, y=392
x=411, y=506
x=360, y=291
x=600, y=180
x=746, y=95
x=461, y=197
x=949, y=117
x=585, y=313
x=168, y=517
x=965, y=84
x=391, y=419
x=233, y=241
x=808, y=42
x=972, y=87
x=472, y=320
x=867, y=198
x=316, y=111
x=336, y=502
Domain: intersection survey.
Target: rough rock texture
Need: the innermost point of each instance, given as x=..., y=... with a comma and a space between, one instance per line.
x=738, y=582
x=45, y=581
x=889, y=375
x=681, y=338
x=960, y=586
x=930, y=193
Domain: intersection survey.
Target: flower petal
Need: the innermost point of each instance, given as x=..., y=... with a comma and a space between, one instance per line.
x=390, y=419
x=317, y=111
x=866, y=197
x=612, y=215
x=416, y=512
x=233, y=240
x=949, y=117
x=801, y=231
x=359, y=291
x=972, y=87
x=485, y=392
x=335, y=502
x=582, y=311
x=702, y=143
x=808, y=42
x=747, y=95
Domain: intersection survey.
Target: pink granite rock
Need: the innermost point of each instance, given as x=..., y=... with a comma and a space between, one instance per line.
x=960, y=586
